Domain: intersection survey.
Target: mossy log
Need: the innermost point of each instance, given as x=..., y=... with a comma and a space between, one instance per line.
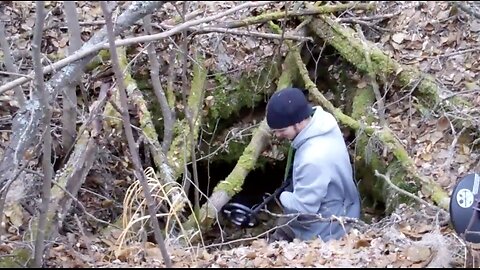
x=428, y=186
x=227, y=188
x=183, y=136
x=271, y=16
x=350, y=46
x=147, y=127
x=172, y=165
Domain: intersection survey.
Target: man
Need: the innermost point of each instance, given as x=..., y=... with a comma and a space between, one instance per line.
x=322, y=176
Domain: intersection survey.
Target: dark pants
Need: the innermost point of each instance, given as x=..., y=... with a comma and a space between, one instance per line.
x=283, y=231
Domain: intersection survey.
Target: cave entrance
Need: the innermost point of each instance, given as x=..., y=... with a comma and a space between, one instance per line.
x=332, y=75
x=257, y=183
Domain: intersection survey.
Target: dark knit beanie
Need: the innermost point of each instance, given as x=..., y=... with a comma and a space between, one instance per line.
x=287, y=107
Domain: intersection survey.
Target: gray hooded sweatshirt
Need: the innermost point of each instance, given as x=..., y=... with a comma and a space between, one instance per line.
x=322, y=180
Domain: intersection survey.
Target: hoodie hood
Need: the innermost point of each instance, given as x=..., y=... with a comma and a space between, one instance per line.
x=320, y=124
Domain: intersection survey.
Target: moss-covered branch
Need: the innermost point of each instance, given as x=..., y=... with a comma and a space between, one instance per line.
x=181, y=144
x=266, y=17
x=429, y=187
x=144, y=116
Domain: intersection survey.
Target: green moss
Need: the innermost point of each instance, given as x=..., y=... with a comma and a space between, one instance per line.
x=232, y=151
x=183, y=135
x=345, y=41
x=399, y=152
x=156, y=114
x=363, y=100
x=230, y=95
x=233, y=183
x=19, y=258
x=102, y=57
x=399, y=179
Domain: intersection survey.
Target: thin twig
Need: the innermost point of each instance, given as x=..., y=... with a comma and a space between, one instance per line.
x=369, y=24
x=85, y=237
x=373, y=18
x=203, y=30
x=9, y=64
x=189, y=113
x=16, y=74
x=461, y=93
x=69, y=131
x=250, y=33
x=168, y=120
x=83, y=207
x=371, y=75
x=408, y=194
x=47, y=137
x=451, y=150
x=474, y=49
x=129, y=134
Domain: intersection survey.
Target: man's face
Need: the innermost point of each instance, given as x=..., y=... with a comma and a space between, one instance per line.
x=289, y=132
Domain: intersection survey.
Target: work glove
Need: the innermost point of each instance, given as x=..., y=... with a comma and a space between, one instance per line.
x=288, y=184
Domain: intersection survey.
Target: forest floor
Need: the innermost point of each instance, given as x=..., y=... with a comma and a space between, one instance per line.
x=429, y=35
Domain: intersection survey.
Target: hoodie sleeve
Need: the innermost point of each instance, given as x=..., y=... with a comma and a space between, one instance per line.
x=310, y=188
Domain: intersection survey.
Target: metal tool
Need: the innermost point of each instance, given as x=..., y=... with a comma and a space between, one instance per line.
x=465, y=208
x=246, y=217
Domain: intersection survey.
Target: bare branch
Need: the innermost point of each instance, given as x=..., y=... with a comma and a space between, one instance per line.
x=9, y=63
x=281, y=14
x=16, y=74
x=412, y=196
x=371, y=75
x=95, y=44
x=167, y=112
x=474, y=49
x=69, y=95
x=129, y=135
x=47, y=137
x=199, y=30
x=188, y=112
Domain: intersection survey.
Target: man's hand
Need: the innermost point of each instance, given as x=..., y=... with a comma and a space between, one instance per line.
x=288, y=184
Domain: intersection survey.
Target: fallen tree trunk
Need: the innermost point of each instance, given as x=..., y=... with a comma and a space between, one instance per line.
x=428, y=186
